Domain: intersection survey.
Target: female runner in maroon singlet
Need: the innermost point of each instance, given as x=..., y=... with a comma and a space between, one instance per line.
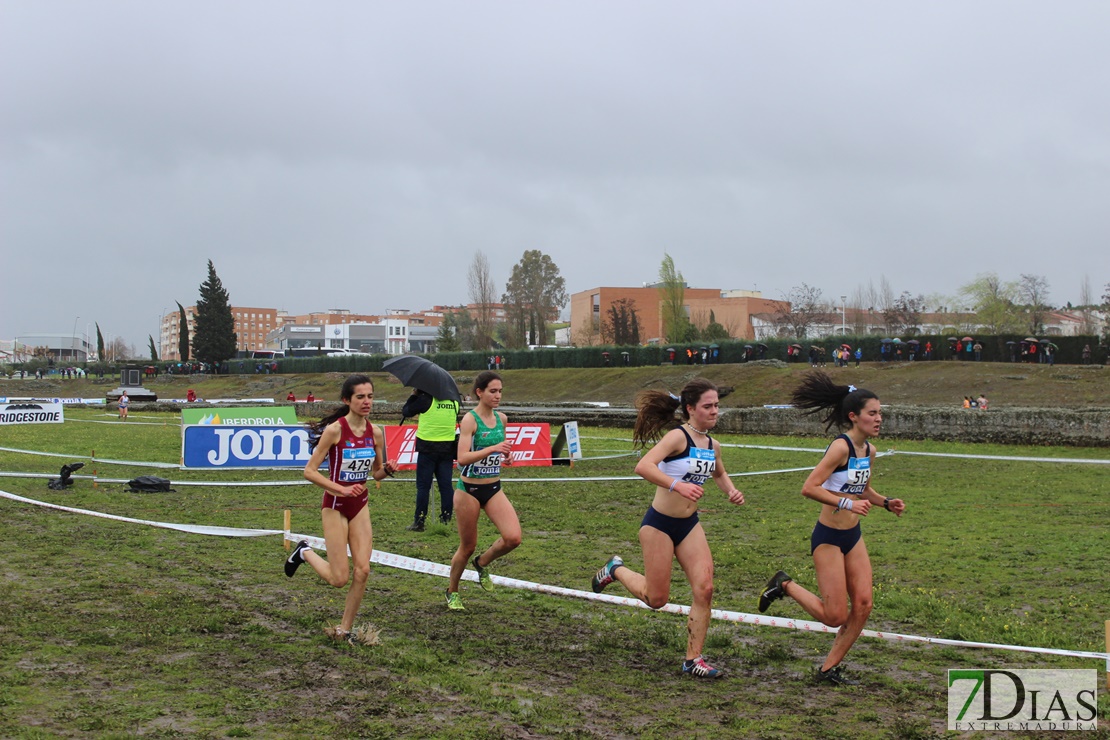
x=351, y=445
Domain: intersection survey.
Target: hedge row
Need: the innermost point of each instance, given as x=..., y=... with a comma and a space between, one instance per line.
x=995, y=349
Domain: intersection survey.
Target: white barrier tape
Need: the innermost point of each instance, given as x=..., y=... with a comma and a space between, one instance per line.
x=134, y=463
x=773, y=447
x=1003, y=457
x=190, y=528
x=215, y=484
x=423, y=566
x=128, y=423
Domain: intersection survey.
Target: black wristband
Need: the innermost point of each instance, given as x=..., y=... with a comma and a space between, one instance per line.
x=886, y=504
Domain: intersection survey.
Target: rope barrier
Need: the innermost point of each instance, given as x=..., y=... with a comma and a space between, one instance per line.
x=1004, y=458
x=189, y=528
x=439, y=569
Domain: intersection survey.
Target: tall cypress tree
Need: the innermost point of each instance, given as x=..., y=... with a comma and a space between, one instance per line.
x=214, y=340
x=153, y=349
x=182, y=333
x=99, y=344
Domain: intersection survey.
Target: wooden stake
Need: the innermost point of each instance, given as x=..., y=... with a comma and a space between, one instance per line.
x=1108, y=654
x=288, y=522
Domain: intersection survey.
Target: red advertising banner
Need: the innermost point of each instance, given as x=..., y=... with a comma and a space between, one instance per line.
x=531, y=444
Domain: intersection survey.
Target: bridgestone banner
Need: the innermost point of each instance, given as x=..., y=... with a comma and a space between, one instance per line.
x=31, y=413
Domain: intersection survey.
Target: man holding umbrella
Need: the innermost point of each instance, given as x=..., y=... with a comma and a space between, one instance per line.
x=436, y=401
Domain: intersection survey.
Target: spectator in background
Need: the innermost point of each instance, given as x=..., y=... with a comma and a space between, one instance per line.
x=928, y=350
x=978, y=349
x=291, y=397
x=311, y=398
x=859, y=355
x=967, y=402
x=982, y=401
x=1086, y=354
x=435, y=453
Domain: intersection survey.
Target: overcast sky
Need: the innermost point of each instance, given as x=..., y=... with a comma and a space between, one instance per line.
x=357, y=155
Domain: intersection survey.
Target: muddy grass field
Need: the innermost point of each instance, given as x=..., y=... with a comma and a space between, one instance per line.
x=111, y=629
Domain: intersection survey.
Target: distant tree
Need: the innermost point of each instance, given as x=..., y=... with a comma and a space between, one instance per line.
x=713, y=331
x=622, y=324
x=1033, y=292
x=182, y=334
x=672, y=299
x=1088, y=323
x=483, y=295
x=119, y=350
x=592, y=333
x=904, y=314
x=214, y=339
x=992, y=303
x=533, y=297
x=99, y=344
x=1106, y=315
x=805, y=307
x=153, y=349
x=446, y=341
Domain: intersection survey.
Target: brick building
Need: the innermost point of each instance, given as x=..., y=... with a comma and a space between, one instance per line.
x=252, y=324
x=733, y=309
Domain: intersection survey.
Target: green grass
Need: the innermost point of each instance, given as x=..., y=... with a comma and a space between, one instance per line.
x=111, y=629
x=941, y=384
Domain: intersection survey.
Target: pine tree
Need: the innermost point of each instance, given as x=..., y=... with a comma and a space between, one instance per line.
x=182, y=334
x=446, y=341
x=214, y=340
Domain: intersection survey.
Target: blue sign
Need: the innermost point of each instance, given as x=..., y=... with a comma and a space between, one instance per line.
x=208, y=446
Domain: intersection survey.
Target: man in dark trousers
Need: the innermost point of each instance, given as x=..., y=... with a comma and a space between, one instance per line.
x=435, y=450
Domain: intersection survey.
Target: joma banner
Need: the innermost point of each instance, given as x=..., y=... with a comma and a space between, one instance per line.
x=531, y=444
x=220, y=446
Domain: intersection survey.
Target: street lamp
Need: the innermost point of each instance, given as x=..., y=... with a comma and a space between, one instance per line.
x=73, y=339
x=843, y=320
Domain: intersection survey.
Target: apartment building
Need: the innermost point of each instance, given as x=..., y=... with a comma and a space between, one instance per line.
x=252, y=325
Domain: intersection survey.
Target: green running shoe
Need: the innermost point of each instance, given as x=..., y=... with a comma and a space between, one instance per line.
x=454, y=602
x=483, y=575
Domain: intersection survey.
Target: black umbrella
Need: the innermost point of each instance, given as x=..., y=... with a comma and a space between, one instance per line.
x=423, y=374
